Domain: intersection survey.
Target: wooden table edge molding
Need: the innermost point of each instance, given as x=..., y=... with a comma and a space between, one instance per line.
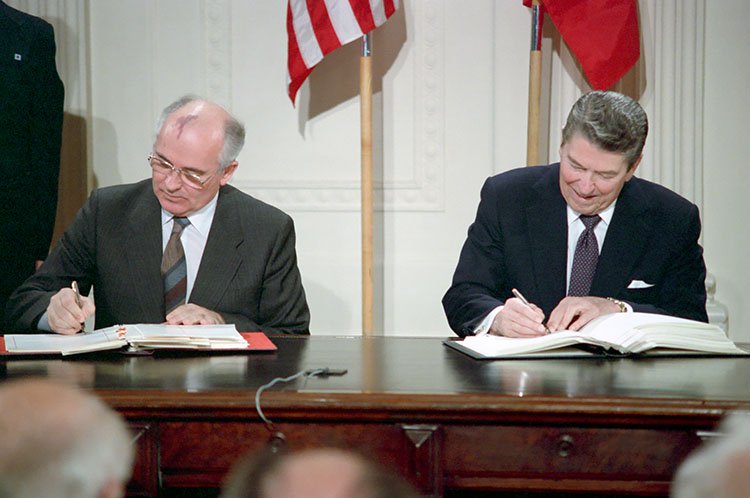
x=475, y=408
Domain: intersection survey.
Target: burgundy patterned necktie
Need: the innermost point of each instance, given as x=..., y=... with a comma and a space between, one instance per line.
x=584, y=259
x=173, y=268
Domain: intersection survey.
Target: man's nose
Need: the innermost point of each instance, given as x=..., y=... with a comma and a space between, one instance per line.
x=173, y=181
x=586, y=184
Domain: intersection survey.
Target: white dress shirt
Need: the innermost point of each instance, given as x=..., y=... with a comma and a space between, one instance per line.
x=575, y=229
x=193, y=237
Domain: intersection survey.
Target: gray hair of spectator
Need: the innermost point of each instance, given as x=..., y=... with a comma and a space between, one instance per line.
x=234, y=130
x=612, y=121
x=69, y=447
x=721, y=467
x=251, y=476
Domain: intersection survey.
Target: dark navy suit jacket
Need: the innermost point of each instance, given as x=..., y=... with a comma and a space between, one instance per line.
x=519, y=239
x=31, y=118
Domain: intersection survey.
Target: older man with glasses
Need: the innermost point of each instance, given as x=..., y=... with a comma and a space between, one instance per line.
x=183, y=247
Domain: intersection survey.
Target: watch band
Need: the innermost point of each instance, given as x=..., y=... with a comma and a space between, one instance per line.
x=620, y=304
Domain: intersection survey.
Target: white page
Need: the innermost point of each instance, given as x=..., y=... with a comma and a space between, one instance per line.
x=492, y=345
x=55, y=343
x=151, y=330
x=625, y=332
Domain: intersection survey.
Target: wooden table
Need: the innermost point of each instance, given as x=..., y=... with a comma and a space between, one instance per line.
x=444, y=420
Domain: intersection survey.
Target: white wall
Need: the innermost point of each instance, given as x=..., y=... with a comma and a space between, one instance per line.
x=450, y=110
x=726, y=174
x=434, y=114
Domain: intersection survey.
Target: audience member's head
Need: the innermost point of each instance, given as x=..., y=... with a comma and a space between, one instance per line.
x=60, y=442
x=721, y=467
x=313, y=473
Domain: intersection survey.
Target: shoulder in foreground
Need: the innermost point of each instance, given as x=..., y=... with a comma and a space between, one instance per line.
x=528, y=182
x=23, y=18
x=125, y=189
x=658, y=193
x=248, y=203
x=525, y=175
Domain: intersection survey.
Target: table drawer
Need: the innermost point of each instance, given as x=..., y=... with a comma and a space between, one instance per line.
x=566, y=452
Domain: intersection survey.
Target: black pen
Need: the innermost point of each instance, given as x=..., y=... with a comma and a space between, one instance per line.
x=520, y=297
x=74, y=286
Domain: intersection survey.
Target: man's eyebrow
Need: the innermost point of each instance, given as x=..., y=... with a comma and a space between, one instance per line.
x=577, y=164
x=163, y=158
x=574, y=161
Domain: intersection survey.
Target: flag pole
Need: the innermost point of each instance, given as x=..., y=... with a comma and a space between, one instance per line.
x=535, y=84
x=365, y=99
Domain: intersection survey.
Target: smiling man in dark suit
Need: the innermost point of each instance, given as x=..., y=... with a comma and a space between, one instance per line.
x=531, y=222
x=236, y=259
x=31, y=118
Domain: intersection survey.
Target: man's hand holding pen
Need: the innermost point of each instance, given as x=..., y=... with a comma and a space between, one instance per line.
x=68, y=310
x=519, y=318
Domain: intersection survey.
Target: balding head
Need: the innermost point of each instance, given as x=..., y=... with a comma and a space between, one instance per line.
x=314, y=473
x=206, y=119
x=721, y=467
x=197, y=143
x=58, y=441
x=324, y=473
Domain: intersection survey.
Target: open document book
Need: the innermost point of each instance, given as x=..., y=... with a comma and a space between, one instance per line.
x=616, y=333
x=140, y=336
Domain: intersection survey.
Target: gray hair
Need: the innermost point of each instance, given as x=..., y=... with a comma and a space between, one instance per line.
x=721, y=467
x=59, y=442
x=612, y=121
x=234, y=130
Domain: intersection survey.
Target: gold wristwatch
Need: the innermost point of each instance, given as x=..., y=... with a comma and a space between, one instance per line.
x=620, y=304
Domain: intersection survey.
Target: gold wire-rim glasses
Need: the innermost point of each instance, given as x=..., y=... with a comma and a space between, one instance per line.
x=162, y=166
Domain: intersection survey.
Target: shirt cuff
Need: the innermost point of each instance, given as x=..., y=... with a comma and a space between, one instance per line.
x=43, y=323
x=484, y=327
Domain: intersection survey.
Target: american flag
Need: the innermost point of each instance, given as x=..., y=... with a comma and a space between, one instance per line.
x=317, y=27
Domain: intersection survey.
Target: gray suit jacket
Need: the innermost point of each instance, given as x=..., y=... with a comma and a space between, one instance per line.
x=248, y=273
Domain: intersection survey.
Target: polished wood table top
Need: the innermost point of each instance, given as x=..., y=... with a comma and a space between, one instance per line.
x=442, y=419
x=414, y=372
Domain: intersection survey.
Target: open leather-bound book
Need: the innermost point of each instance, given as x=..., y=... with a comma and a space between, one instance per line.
x=616, y=334
x=136, y=337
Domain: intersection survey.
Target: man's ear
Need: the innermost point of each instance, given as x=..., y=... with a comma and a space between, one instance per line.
x=226, y=175
x=632, y=169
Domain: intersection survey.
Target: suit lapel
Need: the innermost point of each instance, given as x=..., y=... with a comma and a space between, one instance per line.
x=627, y=237
x=221, y=259
x=548, y=235
x=144, y=258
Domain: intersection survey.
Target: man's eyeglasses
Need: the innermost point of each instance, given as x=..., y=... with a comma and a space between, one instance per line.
x=164, y=167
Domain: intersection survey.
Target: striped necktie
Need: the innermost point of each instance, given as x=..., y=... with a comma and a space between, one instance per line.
x=174, y=269
x=585, y=258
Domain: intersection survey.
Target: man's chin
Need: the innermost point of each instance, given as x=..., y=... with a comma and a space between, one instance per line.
x=176, y=208
x=586, y=208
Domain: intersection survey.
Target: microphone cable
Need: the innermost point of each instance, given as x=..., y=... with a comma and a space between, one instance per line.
x=277, y=442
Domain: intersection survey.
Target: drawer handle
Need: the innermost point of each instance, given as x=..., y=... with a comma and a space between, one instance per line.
x=565, y=445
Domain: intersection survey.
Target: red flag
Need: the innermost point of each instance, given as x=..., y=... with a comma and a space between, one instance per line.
x=603, y=35
x=318, y=27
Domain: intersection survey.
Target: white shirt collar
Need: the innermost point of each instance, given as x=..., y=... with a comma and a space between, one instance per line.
x=605, y=215
x=200, y=220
